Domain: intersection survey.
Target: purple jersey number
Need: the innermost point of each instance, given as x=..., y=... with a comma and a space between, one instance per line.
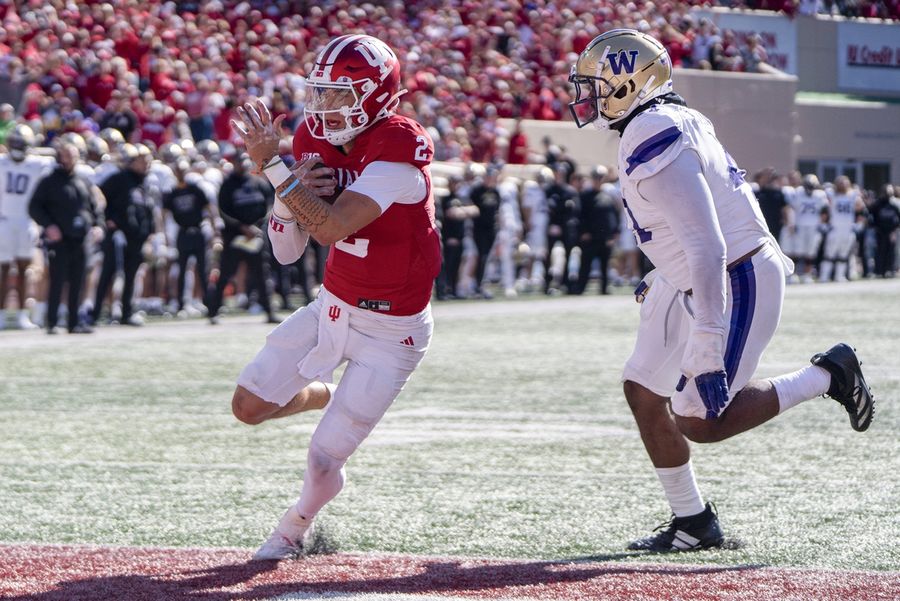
x=643, y=235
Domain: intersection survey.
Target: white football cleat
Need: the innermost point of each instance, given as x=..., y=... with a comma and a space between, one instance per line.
x=24, y=321
x=288, y=539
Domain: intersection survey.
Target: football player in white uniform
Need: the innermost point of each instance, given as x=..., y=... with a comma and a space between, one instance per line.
x=714, y=305
x=801, y=239
x=844, y=203
x=19, y=176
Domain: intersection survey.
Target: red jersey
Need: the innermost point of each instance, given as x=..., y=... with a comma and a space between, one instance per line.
x=389, y=265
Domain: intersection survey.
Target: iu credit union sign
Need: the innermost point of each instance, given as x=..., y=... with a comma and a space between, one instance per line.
x=869, y=57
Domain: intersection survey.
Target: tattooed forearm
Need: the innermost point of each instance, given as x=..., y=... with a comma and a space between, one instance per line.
x=309, y=210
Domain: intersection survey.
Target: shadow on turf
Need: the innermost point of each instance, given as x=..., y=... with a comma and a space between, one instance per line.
x=355, y=574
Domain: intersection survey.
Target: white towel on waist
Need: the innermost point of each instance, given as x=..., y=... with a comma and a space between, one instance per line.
x=334, y=327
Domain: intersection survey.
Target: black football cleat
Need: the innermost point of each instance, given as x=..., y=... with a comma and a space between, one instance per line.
x=848, y=387
x=691, y=533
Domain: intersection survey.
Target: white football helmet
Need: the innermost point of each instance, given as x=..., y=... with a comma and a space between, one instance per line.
x=617, y=72
x=356, y=78
x=19, y=140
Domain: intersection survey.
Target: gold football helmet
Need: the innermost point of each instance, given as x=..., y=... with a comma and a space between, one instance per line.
x=617, y=72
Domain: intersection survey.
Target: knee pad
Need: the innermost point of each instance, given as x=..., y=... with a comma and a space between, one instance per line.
x=320, y=462
x=339, y=434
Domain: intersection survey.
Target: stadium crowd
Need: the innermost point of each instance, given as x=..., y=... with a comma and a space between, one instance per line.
x=158, y=70
x=130, y=82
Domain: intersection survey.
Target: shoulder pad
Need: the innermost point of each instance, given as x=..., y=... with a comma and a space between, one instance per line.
x=402, y=140
x=651, y=141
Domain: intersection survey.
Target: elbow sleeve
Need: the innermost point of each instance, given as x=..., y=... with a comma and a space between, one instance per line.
x=288, y=240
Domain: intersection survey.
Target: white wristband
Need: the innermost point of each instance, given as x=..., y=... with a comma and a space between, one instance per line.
x=277, y=172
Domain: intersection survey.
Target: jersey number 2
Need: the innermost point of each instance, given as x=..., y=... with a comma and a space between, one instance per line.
x=358, y=247
x=421, y=149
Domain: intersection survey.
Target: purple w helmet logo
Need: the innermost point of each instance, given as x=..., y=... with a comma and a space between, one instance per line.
x=623, y=60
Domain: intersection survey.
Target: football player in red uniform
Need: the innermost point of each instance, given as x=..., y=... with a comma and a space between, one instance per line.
x=373, y=310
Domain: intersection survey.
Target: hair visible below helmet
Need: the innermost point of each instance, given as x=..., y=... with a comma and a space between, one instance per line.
x=356, y=78
x=617, y=72
x=18, y=141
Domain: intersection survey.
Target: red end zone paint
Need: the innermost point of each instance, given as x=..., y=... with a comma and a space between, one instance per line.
x=74, y=573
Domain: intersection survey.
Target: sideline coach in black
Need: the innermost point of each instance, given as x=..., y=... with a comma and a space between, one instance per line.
x=63, y=205
x=130, y=210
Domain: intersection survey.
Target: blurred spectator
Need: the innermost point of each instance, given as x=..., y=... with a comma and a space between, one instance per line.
x=725, y=55
x=7, y=121
x=772, y=201
x=20, y=172
x=509, y=235
x=886, y=221
x=129, y=222
x=119, y=116
x=705, y=38
x=455, y=210
x=801, y=238
x=564, y=211
x=189, y=207
x=755, y=57
x=244, y=202
x=535, y=217
x=599, y=227
x=198, y=108
x=518, y=146
x=486, y=198
x=844, y=205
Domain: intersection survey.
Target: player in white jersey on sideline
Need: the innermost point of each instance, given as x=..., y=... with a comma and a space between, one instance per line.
x=844, y=202
x=19, y=176
x=800, y=239
x=716, y=300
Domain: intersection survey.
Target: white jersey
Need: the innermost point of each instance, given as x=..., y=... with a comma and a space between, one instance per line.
x=808, y=207
x=84, y=171
x=535, y=202
x=18, y=180
x=102, y=171
x=651, y=142
x=842, y=212
x=160, y=181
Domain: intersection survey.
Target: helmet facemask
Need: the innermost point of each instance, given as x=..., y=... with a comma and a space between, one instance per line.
x=337, y=101
x=344, y=100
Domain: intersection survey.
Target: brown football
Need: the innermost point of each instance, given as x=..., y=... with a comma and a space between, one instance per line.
x=337, y=189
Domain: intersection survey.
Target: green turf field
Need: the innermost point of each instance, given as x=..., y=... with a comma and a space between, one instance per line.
x=512, y=440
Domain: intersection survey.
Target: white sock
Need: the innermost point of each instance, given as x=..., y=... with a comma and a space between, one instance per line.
x=681, y=489
x=802, y=385
x=323, y=480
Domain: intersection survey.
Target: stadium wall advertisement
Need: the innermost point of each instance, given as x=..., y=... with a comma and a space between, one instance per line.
x=868, y=57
